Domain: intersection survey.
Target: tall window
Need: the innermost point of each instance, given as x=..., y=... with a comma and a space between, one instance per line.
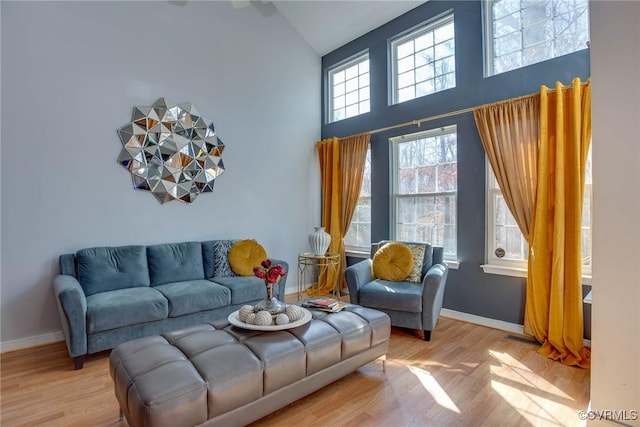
x=507, y=247
x=425, y=185
x=523, y=32
x=358, y=237
x=424, y=61
x=349, y=88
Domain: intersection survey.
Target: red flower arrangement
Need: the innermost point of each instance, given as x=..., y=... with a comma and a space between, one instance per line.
x=269, y=272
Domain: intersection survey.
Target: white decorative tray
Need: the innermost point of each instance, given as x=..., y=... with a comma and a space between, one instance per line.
x=234, y=319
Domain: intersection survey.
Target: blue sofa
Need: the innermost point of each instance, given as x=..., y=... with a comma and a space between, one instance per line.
x=109, y=295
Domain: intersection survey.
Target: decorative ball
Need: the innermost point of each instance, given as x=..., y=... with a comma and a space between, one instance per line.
x=294, y=312
x=250, y=319
x=282, y=319
x=245, y=310
x=263, y=318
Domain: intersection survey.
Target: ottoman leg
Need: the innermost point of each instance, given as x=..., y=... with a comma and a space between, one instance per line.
x=120, y=415
x=384, y=362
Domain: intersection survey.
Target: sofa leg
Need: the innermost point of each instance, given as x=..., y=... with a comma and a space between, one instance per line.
x=120, y=415
x=427, y=335
x=78, y=362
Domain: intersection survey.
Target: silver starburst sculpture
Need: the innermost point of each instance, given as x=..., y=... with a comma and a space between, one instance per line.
x=171, y=151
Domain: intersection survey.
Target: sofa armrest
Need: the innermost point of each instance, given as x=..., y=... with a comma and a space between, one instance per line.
x=434, y=283
x=283, y=280
x=72, y=307
x=357, y=275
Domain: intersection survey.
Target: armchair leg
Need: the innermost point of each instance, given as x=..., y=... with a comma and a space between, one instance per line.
x=427, y=335
x=78, y=362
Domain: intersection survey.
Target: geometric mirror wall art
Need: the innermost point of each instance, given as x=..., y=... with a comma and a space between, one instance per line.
x=171, y=151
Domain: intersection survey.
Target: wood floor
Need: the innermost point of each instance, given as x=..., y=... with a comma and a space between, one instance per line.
x=467, y=375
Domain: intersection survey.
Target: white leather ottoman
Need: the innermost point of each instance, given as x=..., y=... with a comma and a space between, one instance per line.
x=218, y=374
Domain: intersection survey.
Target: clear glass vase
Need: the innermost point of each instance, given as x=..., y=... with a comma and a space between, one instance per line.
x=270, y=303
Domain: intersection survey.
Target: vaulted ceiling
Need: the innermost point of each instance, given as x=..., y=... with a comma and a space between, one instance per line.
x=327, y=25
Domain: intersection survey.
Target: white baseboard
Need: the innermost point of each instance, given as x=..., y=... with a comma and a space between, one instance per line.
x=490, y=323
x=31, y=341
x=482, y=321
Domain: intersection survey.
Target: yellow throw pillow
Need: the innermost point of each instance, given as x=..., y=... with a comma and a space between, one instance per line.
x=244, y=255
x=417, y=252
x=393, y=261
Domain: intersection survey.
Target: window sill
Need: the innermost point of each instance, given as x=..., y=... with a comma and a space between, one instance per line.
x=518, y=272
x=453, y=265
x=358, y=254
x=504, y=271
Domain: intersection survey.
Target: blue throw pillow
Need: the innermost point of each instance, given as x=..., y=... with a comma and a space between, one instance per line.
x=221, y=267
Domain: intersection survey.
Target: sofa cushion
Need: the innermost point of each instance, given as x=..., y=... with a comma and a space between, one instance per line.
x=245, y=289
x=389, y=295
x=221, y=266
x=244, y=255
x=175, y=262
x=193, y=296
x=393, y=261
x=106, y=269
x=124, y=307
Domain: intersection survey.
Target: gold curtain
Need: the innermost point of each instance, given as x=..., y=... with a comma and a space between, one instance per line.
x=342, y=163
x=509, y=134
x=554, y=290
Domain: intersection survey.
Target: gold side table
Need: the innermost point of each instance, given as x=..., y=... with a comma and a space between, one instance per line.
x=314, y=269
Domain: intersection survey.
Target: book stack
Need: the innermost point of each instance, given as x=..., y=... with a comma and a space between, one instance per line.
x=329, y=305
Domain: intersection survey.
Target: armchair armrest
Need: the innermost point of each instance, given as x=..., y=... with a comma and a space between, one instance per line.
x=433, y=290
x=357, y=275
x=283, y=280
x=72, y=307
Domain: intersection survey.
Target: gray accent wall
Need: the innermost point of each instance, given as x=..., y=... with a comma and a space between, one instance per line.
x=469, y=289
x=71, y=74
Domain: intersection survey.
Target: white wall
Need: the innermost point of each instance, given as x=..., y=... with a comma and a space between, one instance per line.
x=615, y=68
x=71, y=74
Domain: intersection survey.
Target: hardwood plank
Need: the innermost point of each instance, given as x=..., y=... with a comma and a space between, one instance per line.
x=467, y=375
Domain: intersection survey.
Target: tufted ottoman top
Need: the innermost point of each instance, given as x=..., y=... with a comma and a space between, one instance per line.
x=206, y=372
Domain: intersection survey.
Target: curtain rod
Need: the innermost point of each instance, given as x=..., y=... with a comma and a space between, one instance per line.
x=418, y=122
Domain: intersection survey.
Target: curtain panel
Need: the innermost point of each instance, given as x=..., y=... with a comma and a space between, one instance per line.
x=342, y=163
x=554, y=291
x=509, y=134
x=537, y=147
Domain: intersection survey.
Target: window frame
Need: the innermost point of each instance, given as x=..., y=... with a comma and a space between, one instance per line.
x=492, y=192
x=513, y=267
x=488, y=42
x=394, y=196
x=336, y=68
x=415, y=32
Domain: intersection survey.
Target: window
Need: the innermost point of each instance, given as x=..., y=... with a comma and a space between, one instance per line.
x=358, y=237
x=424, y=61
x=524, y=32
x=424, y=185
x=349, y=88
x=505, y=237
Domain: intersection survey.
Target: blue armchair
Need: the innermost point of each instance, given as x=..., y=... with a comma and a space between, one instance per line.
x=409, y=305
